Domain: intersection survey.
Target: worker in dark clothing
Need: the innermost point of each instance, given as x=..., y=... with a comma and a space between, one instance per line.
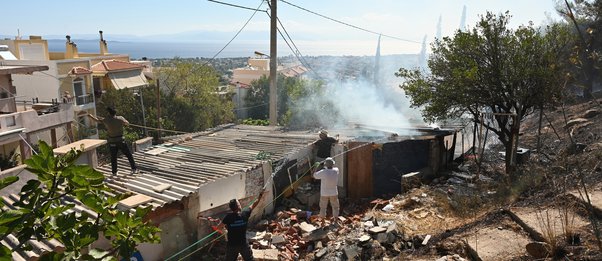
x=323, y=146
x=236, y=223
x=114, y=125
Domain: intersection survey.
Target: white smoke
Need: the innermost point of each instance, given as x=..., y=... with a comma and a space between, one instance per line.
x=357, y=100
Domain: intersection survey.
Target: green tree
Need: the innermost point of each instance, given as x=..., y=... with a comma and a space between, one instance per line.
x=298, y=103
x=586, y=17
x=490, y=69
x=41, y=213
x=190, y=98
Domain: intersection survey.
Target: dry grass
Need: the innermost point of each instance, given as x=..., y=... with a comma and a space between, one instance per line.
x=569, y=230
x=549, y=229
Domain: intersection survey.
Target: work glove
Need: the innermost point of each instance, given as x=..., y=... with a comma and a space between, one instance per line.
x=317, y=164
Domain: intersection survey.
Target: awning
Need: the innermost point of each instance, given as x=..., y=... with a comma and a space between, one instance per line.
x=127, y=79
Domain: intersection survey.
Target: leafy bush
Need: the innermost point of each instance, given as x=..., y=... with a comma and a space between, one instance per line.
x=256, y=122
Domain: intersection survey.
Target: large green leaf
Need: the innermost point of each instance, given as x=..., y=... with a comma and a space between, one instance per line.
x=5, y=253
x=5, y=182
x=9, y=216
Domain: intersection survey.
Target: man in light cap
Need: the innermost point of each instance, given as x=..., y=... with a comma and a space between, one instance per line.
x=329, y=177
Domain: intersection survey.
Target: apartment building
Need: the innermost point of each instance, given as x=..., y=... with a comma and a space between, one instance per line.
x=79, y=78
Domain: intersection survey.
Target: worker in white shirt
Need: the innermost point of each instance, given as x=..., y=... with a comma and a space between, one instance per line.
x=329, y=177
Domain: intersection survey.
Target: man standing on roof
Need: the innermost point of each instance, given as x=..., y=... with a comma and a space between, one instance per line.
x=114, y=125
x=328, y=188
x=323, y=145
x=236, y=223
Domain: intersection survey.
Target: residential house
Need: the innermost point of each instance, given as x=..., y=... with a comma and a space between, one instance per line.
x=257, y=67
x=71, y=76
x=23, y=124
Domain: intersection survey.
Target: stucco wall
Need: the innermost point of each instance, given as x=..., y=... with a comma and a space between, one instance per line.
x=64, y=67
x=43, y=85
x=221, y=191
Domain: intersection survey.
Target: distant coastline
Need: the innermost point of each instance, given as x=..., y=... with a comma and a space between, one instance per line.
x=207, y=49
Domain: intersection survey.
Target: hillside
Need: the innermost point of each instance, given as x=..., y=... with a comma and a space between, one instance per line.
x=542, y=211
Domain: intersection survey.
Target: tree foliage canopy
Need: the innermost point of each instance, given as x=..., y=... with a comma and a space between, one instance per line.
x=586, y=19
x=493, y=69
x=190, y=98
x=44, y=211
x=297, y=103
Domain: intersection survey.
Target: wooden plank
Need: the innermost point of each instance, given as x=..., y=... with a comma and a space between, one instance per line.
x=359, y=170
x=136, y=200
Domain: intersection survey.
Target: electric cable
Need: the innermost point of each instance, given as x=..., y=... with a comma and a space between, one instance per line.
x=348, y=24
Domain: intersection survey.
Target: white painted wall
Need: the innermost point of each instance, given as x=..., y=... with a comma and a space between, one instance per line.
x=221, y=191
x=38, y=84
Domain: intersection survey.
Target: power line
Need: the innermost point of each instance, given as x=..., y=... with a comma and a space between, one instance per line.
x=265, y=206
x=237, y=33
x=207, y=62
x=233, y=5
x=296, y=50
x=348, y=24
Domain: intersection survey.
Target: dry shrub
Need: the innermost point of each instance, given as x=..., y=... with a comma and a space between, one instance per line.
x=547, y=225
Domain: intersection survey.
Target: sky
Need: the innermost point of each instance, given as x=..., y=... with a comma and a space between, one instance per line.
x=197, y=20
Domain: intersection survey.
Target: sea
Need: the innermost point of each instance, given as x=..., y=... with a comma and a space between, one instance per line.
x=208, y=49
x=137, y=50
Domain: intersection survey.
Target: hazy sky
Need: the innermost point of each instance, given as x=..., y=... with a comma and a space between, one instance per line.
x=401, y=18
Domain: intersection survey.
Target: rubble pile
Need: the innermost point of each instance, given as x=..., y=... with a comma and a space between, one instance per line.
x=383, y=229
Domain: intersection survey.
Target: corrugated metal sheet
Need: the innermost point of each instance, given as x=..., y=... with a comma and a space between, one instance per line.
x=189, y=163
x=38, y=248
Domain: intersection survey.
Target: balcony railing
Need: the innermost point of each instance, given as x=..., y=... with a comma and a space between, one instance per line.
x=84, y=99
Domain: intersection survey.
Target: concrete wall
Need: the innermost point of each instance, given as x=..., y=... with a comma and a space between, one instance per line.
x=63, y=67
x=43, y=85
x=34, y=122
x=262, y=64
x=7, y=104
x=221, y=191
x=246, y=76
x=178, y=232
x=30, y=49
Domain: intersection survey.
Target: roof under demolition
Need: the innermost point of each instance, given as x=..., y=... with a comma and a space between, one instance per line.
x=191, y=160
x=203, y=157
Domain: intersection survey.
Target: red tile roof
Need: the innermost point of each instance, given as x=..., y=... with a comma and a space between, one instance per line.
x=113, y=65
x=77, y=70
x=294, y=71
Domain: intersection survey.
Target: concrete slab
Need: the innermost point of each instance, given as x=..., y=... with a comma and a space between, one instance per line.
x=266, y=255
x=135, y=200
x=548, y=220
x=497, y=244
x=85, y=145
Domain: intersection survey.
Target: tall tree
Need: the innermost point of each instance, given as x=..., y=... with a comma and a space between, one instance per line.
x=491, y=69
x=42, y=213
x=190, y=96
x=586, y=17
x=298, y=105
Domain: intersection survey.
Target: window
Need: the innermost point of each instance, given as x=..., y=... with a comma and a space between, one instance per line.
x=79, y=89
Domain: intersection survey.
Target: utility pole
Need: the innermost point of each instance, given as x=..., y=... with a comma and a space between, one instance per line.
x=159, y=109
x=273, y=64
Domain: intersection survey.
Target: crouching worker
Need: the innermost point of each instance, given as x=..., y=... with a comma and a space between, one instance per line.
x=236, y=223
x=329, y=177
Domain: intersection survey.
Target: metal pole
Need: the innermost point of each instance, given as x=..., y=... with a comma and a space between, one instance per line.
x=143, y=113
x=273, y=64
x=159, y=110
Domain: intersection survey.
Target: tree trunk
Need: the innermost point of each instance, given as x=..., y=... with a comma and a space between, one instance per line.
x=511, y=146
